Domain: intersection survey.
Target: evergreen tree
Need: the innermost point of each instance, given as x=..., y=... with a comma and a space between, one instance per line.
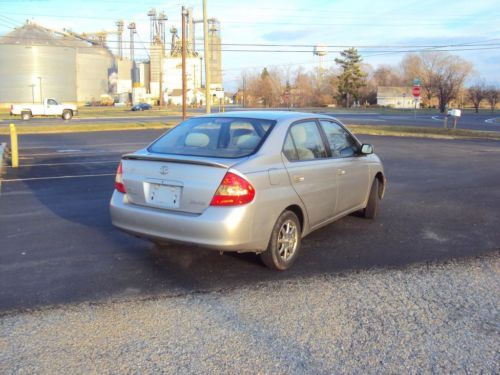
x=351, y=79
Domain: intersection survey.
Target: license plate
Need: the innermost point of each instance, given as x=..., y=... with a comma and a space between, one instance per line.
x=164, y=195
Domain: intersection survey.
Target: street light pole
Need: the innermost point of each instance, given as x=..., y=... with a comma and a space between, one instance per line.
x=41, y=96
x=33, y=92
x=208, y=98
x=184, y=13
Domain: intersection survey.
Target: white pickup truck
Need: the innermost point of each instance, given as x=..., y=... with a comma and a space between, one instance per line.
x=50, y=107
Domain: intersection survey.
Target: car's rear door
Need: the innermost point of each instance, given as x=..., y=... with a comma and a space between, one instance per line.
x=310, y=170
x=351, y=169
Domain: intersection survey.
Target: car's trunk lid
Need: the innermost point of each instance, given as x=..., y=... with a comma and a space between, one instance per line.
x=172, y=182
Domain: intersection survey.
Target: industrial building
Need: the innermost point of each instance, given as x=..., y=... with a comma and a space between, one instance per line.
x=166, y=64
x=37, y=62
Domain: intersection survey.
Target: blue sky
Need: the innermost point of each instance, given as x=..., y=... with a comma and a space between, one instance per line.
x=333, y=23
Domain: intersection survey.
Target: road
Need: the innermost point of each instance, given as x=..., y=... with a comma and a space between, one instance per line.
x=58, y=245
x=471, y=121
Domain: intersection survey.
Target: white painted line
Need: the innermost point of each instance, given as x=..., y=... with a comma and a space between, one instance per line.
x=57, y=177
x=363, y=119
x=83, y=153
x=436, y=118
x=87, y=145
x=74, y=163
x=493, y=120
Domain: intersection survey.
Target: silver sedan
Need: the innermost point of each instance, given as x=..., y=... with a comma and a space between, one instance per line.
x=247, y=182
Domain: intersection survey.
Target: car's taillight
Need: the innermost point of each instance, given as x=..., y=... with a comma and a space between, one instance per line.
x=233, y=191
x=119, y=180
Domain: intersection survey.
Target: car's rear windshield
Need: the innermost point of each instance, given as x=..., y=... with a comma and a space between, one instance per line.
x=220, y=137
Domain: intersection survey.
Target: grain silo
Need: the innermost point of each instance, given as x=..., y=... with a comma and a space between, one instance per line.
x=36, y=62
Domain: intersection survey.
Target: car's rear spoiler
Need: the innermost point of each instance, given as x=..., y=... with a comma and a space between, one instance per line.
x=175, y=160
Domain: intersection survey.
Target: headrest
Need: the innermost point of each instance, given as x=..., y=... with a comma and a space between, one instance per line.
x=299, y=134
x=197, y=140
x=248, y=141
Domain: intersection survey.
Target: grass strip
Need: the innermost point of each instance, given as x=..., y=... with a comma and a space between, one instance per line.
x=421, y=132
x=83, y=128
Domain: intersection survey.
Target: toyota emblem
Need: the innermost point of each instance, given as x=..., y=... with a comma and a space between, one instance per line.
x=164, y=170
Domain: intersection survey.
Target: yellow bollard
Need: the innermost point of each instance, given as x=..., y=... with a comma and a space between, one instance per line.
x=13, y=146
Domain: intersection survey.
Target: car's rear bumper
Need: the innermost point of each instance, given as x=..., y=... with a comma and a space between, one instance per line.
x=220, y=228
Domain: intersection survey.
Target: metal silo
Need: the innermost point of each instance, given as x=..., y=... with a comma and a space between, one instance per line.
x=93, y=69
x=33, y=64
x=36, y=62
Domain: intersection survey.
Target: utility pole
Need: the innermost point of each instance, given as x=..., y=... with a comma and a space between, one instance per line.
x=184, y=13
x=244, y=89
x=208, y=98
x=161, y=76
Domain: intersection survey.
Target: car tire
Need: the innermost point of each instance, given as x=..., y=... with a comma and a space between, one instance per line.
x=25, y=116
x=284, y=244
x=371, y=209
x=67, y=114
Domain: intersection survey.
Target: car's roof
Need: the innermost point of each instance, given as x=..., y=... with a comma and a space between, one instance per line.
x=269, y=115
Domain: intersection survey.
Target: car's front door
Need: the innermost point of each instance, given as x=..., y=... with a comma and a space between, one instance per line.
x=351, y=169
x=310, y=170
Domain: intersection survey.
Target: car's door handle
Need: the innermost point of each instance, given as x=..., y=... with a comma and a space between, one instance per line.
x=298, y=178
x=341, y=171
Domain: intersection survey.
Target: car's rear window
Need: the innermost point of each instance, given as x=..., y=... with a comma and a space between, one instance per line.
x=220, y=137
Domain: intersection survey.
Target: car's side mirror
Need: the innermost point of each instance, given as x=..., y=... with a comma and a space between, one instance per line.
x=366, y=149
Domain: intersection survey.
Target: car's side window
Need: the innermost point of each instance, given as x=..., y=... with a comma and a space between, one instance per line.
x=341, y=142
x=51, y=102
x=307, y=140
x=289, y=149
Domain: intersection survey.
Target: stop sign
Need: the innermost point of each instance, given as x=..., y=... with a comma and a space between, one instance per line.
x=416, y=91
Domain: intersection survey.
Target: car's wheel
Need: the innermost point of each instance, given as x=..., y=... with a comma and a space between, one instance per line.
x=371, y=209
x=26, y=115
x=284, y=244
x=67, y=114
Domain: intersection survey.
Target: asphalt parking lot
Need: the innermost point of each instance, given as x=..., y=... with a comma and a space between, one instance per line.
x=414, y=291
x=58, y=245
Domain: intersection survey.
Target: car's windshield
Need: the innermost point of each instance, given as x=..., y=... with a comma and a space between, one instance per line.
x=221, y=137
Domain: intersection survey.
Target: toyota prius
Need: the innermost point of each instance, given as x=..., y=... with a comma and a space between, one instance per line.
x=247, y=182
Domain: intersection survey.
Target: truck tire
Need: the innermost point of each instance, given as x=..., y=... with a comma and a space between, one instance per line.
x=67, y=114
x=25, y=115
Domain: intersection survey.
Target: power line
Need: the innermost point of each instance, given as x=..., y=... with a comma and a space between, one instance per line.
x=485, y=43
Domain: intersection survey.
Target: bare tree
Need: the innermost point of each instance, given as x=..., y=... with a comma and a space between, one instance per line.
x=386, y=75
x=476, y=93
x=412, y=67
x=444, y=75
x=492, y=94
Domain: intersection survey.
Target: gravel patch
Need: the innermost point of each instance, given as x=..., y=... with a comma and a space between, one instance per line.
x=430, y=318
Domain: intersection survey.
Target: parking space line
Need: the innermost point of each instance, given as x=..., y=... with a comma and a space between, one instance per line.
x=85, y=145
x=80, y=153
x=69, y=163
x=56, y=177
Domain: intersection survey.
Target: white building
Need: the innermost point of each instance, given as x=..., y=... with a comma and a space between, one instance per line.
x=396, y=97
x=172, y=80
